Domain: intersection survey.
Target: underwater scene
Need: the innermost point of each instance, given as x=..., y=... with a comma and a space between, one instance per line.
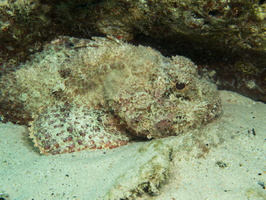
x=132, y=100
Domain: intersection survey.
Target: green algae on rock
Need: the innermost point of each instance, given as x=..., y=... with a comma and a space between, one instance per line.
x=24, y=26
x=135, y=89
x=236, y=24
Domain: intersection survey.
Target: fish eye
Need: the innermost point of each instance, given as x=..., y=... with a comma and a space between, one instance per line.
x=180, y=86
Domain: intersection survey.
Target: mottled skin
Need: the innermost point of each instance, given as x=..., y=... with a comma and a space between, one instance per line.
x=66, y=128
x=139, y=92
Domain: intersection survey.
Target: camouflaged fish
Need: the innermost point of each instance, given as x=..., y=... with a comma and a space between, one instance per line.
x=89, y=94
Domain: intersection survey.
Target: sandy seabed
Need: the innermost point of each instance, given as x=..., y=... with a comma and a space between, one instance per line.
x=224, y=160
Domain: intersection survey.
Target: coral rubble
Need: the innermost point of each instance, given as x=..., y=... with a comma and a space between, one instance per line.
x=91, y=93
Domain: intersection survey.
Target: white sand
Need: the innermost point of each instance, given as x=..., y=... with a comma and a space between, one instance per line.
x=224, y=160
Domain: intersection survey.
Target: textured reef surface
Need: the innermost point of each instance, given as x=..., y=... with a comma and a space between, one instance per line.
x=102, y=93
x=226, y=37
